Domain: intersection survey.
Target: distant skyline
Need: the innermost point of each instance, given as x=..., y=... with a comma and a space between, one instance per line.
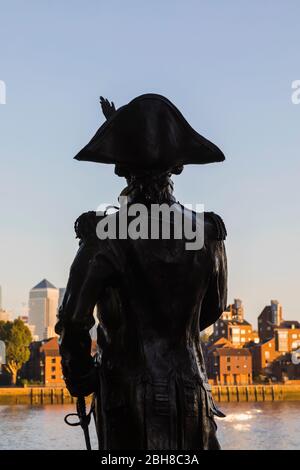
x=229, y=68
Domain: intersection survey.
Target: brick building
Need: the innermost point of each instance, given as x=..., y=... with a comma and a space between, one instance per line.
x=238, y=333
x=283, y=368
x=263, y=355
x=287, y=336
x=229, y=365
x=272, y=356
x=44, y=364
x=50, y=363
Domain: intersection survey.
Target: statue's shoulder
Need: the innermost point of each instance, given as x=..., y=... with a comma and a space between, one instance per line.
x=214, y=226
x=85, y=225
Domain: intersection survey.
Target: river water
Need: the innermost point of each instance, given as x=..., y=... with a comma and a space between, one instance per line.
x=263, y=425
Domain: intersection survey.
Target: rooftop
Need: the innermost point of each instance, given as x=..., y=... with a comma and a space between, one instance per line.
x=44, y=284
x=289, y=324
x=232, y=352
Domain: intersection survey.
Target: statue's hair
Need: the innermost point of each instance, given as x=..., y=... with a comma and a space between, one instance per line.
x=150, y=187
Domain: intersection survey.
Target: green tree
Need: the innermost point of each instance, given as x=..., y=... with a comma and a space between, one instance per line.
x=17, y=338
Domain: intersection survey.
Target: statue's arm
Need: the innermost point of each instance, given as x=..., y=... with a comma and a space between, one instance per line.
x=85, y=228
x=75, y=342
x=75, y=282
x=215, y=299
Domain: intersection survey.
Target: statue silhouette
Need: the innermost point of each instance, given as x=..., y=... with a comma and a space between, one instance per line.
x=153, y=296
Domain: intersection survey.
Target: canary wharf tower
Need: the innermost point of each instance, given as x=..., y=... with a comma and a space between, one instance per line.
x=43, y=303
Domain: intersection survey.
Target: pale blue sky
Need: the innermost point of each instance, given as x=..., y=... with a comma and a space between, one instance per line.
x=227, y=65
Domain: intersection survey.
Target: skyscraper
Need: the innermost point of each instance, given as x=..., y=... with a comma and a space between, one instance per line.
x=43, y=304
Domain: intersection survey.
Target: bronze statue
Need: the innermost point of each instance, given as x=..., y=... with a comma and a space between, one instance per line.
x=153, y=296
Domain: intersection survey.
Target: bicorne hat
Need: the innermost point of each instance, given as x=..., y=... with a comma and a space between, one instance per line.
x=149, y=134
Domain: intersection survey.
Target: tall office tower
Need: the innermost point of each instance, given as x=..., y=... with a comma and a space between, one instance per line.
x=43, y=304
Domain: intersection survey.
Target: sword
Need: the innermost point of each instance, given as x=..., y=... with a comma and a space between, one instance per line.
x=84, y=419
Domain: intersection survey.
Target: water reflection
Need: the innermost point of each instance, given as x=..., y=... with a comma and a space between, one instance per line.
x=268, y=425
x=262, y=426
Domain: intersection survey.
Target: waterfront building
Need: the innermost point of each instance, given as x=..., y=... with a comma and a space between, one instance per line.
x=229, y=366
x=263, y=355
x=238, y=333
x=283, y=369
x=44, y=364
x=287, y=336
x=272, y=356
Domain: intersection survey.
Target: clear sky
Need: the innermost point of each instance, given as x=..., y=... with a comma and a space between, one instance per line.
x=228, y=66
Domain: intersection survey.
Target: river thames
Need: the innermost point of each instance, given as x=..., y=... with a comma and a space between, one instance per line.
x=247, y=426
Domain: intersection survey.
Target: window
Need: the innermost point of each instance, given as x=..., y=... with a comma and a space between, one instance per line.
x=228, y=359
x=53, y=360
x=223, y=332
x=53, y=369
x=294, y=336
x=243, y=332
x=267, y=354
x=270, y=345
x=53, y=377
x=243, y=339
x=228, y=368
x=237, y=367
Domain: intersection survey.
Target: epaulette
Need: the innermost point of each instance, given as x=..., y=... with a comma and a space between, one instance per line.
x=85, y=225
x=219, y=229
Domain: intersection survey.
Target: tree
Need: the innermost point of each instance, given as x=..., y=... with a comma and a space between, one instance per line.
x=17, y=338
